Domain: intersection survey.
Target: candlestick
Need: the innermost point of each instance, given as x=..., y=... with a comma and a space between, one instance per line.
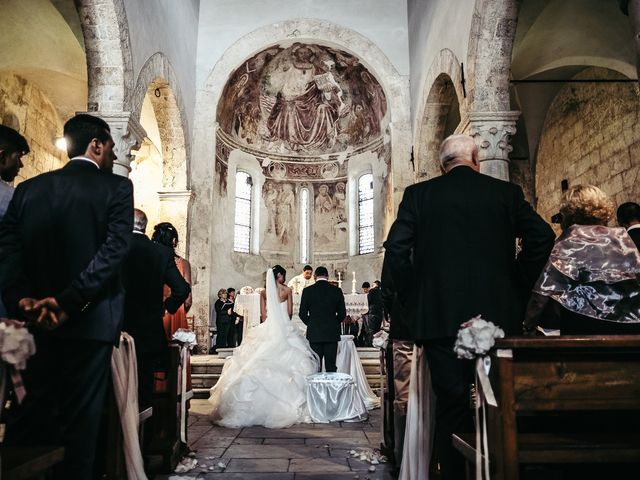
x=353, y=286
x=339, y=281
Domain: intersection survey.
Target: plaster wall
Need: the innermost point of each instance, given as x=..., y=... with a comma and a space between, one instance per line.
x=223, y=22
x=435, y=25
x=164, y=26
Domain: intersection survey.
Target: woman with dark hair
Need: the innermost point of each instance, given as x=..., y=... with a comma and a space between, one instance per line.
x=166, y=234
x=263, y=382
x=591, y=283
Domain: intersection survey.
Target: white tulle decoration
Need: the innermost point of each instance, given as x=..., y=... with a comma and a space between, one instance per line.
x=476, y=337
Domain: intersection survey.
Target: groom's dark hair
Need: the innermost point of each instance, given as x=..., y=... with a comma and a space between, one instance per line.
x=278, y=269
x=321, y=272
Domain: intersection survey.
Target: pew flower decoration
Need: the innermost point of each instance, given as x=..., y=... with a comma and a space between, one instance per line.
x=476, y=337
x=246, y=290
x=16, y=343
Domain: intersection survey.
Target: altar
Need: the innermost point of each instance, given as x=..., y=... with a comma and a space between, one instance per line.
x=248, y=306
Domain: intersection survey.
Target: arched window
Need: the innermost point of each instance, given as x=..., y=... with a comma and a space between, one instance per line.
x=365, y=214
x=242, y=227
x=304, y=225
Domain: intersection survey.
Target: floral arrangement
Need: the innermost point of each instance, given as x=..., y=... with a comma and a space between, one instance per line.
x=246, y=290
x=184, y=336
x=476, y=337
x=16, y=343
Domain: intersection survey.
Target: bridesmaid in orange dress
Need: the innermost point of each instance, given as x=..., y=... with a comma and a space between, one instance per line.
x=166, y=234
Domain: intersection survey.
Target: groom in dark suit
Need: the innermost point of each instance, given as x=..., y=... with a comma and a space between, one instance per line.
x=62, y=243
x=322, y=310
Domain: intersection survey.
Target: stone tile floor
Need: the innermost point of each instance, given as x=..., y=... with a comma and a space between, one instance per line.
x=301, y=452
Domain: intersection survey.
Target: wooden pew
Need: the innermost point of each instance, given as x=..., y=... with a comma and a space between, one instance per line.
x=164, y=428
x=543, y=381
x=22, y=463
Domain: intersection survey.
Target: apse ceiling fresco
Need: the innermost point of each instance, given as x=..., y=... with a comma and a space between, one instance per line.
x=303, y=100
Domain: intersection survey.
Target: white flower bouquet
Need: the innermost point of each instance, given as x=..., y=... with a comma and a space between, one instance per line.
x=476, y=337
x=16, y=343
x=246, y=290
x=184, y=336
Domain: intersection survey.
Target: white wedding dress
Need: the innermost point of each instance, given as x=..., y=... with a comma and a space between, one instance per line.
x=263, y=382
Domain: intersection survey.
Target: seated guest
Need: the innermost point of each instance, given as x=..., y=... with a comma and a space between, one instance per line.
x=365, y=287
x=148, y=267
x=224, y=312
x=591, y=283
x=629, y=217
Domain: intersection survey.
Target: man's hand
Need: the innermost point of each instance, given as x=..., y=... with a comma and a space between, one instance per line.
x=45, y=313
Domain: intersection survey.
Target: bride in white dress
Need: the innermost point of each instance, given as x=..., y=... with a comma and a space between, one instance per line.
x=263, y=382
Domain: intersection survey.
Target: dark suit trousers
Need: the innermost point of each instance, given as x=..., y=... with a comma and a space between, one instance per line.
x=148, y=363
x=451, y=379
x=328, y=351
x=222, y=334
x=66, y=382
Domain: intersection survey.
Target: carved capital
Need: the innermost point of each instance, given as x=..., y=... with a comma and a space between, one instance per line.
x=127, y=135
x=492, y=132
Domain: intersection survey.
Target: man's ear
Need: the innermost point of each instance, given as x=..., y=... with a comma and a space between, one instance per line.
x=3, y=156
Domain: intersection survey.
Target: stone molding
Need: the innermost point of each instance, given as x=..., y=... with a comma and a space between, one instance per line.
x=492, y=132
x=175, y=195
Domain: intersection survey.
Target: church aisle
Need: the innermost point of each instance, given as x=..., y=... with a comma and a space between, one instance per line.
x=302, y=452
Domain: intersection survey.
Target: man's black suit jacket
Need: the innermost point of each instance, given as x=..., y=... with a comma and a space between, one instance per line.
x=634, y=233
x=65, y=235
x=451, y=252
x=322, y=310
x=147, y=268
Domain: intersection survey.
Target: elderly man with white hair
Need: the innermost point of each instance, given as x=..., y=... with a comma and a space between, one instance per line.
x=451, y=254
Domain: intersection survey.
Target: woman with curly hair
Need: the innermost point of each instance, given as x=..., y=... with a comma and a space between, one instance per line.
x=166, y=234
x=591, y=283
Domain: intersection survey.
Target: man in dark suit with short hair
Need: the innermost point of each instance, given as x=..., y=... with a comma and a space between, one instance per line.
x=322, y=310
x=451, y=255
x=147, y=268
x=62, y=243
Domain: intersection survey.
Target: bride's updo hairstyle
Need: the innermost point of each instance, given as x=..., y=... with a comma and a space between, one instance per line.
x=279, y=269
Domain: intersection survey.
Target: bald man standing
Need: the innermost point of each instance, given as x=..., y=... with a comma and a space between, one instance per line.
x=451, y=253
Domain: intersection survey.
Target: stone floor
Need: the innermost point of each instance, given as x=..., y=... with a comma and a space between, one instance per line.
x=302, y=452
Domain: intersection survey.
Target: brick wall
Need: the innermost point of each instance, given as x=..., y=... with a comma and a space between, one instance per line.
x=24, y=107
x=591, y=136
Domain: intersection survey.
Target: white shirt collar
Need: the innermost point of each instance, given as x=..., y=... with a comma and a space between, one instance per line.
x=322, y=279
x=139, y=233
x=80, y=157
x=633, y=227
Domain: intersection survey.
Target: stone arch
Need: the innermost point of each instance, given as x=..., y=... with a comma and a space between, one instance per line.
x=157, y=75
x=442, y=104
x=108, y=48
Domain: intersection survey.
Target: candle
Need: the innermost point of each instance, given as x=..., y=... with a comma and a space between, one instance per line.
x=339, y=276
x=354, y=276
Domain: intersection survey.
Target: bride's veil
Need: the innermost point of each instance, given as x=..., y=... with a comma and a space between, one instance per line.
x=276, y=321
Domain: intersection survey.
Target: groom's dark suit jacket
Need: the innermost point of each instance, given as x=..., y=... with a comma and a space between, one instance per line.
x=322, y=310
x=65, y=235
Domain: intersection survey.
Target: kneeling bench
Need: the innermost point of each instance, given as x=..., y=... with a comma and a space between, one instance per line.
x=561, y=375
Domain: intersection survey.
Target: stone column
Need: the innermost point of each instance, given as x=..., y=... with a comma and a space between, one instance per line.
x=492, y=132
x=174, y=208
x=632, y=9
x=127, y=134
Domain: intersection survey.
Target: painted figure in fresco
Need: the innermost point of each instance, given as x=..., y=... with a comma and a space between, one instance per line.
x=307, y=103
x=270, y=201
x=284, y=213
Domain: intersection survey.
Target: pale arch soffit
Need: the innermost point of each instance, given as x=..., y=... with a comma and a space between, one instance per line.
x=158, y=72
